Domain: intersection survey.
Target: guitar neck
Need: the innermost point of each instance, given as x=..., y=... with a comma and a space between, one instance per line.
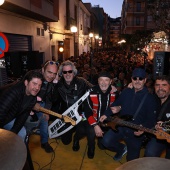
x=134, y=126
x=50, y=112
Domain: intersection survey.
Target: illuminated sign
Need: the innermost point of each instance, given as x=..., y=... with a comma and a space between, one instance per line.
x=4, y=45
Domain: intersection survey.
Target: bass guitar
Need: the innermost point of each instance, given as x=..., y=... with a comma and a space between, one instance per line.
x=160, y=134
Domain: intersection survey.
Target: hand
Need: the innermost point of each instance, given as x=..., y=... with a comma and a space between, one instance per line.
x=130, y=85
x=139, y=132
x=113, y=89
x=39, y=99
x=158, y=126
x=31, y=113
x=98, y=131
x=115, y=109
x=46, y=116
x=102, y=118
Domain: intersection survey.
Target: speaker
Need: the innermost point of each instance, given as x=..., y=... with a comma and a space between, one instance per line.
x=13, y=64
x=161, y=63
x=3, y=76
x=18, y=63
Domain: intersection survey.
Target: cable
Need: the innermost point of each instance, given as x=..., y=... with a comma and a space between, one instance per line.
x=52, y=157
x=83, y=157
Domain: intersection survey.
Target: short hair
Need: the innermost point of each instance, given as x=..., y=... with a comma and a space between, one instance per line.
x=163, y=77
x=67, y=63
x=33, y=74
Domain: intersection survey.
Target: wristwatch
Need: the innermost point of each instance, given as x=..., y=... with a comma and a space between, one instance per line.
x=95, y=125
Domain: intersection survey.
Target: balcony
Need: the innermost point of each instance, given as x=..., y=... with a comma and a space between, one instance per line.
x=135, y=10
x=135, y=24
x=43, y=13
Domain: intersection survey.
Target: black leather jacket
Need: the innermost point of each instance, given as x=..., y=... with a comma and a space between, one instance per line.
x=66, y=95
x=46, y=94
x=14, y=103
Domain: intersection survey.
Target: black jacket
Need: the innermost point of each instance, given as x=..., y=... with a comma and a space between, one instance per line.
x=66, y=95
x=95, y=108
x=14, y=103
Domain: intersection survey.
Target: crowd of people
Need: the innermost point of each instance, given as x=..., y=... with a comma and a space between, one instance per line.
x=120, y=85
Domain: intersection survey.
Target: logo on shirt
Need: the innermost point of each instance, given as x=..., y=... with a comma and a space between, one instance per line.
x=168, y=115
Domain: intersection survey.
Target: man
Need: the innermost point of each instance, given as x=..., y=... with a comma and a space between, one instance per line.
x=68, y=90
x=155, y=147
x=49, y=71
x=129, y=103
x=100, y=98
x=19, y=99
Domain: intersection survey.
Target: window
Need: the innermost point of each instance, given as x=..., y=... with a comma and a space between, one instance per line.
x=149, y=18
x=42, y=32
x=138, y=7
x=38, y=31
x=137, y=21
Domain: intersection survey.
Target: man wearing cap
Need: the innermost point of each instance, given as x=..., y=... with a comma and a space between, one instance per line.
x=129, y=103
x=100, y=98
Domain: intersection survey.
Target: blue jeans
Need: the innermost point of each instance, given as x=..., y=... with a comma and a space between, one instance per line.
x=22, y=133
x=155, y=148
x=111, y=141
x=43, y=126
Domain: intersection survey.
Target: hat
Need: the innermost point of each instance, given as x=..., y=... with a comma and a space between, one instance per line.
x=104, y=74
x=139, y=72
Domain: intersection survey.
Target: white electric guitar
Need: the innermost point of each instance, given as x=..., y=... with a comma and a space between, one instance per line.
x=59, y=127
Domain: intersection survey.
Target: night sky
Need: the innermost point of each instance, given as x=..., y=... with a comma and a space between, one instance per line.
x=111, y=7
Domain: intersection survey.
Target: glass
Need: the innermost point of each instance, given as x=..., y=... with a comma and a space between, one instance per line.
x=69, y=71
x=51, y=63
x=137, y=78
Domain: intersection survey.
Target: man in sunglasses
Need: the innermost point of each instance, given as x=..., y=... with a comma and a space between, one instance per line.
x=137, y=103
x=49, y=71
x=68, y=90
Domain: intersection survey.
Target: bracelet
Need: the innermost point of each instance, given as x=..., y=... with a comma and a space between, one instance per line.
x=120, y=107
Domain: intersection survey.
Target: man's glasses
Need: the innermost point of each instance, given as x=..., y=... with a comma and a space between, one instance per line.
x=70, y=71
x=137, y=78
x=51, y=63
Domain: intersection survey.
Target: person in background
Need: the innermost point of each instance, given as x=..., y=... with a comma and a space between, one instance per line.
x=100, y=98
x=155, y=147
x=49, y=72
x=69, y=89
x=129, y=104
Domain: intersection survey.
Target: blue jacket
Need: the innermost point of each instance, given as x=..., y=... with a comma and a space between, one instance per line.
x=130, y=101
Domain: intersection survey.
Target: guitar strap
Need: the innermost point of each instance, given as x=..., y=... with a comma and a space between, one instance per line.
x=137, y=111
x=163, y=110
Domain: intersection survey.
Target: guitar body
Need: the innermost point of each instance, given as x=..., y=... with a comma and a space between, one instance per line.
x=114, y=121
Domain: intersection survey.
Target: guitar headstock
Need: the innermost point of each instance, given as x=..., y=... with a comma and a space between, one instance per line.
x=68, y=119
x=160, y=134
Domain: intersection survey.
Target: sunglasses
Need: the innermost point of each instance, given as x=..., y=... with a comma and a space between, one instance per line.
x=70, y=71
x=137, y=78
x=51, y=63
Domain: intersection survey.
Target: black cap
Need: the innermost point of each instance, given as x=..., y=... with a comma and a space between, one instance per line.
x=105, y=74
x=139, y=72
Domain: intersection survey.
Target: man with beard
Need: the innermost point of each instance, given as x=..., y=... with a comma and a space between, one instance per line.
x=155, y=147
x=129, y=103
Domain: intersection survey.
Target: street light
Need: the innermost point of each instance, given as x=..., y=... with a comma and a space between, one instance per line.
x=74, y=30
x=96, y=42
x=2, y=1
